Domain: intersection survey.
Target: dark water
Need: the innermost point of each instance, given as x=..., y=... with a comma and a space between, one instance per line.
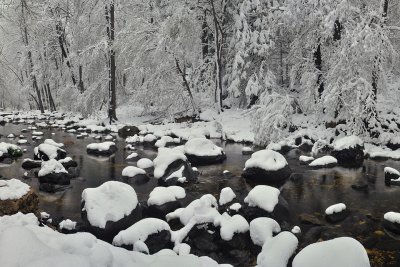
x=312, y=194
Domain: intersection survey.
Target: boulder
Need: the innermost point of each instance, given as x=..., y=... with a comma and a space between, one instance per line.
x=126, y=131
x=29, y=164
x=101, y=149
x=349, y=151
x=16, y=196
x=202, y=151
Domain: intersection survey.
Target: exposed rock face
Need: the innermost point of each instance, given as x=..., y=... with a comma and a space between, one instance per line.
x=259, y=175
x=169, y=178
x=206, y=160
x=26, y=204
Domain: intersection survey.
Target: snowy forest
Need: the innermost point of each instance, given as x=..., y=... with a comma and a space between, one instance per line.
x=200, y=133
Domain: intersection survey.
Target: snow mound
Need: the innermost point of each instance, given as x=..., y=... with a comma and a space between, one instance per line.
x=110, y=201
x=264, y=197
x=277, y=251
x=100, y=146
x=4, y=147
x=296, y=230
x=18, y=219
x=231, y=225
x=132, y=171
x=202, y=147
x=235, y=206
x=161, y=195
x=347, y=142
x=268, y=160
x=132, y=155
x=134, y=139
x=53, y=143
x=262, y=230
x=306, y=158
x=67, y=224
x=393, y=217
x=323, y=161
x=343, y=251
x=51, y=166
x=140, y=231
x=391, y=171
x=149, y=138
x=49, y=150
x=335, y=209
x=226, y=196
x=145, y=163
x=164, y=158
x=13, y=189
x=164, y=141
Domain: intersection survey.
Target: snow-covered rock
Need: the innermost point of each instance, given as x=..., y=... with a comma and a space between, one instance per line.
x=336, y=213
x=67, y=225
x=164, y=200
x=202, y=151
x=145, y=163
x=132, y=171
x=52, y=176
x=226, y=196
x=264, y=197
x=110, y=208
x=343, y=251
x=306, y=159
x=12, y=189
x=46, y=152
x=392, y=221
x=247, y=150
x=349, y=150
x=266, y=166
x=278, y=250
x=132, y=156
x=53, y=143
x=165, y=141
x=324, y=162
x=391, y=175
x=16, y=196
x=262, y=230
x=101, y=149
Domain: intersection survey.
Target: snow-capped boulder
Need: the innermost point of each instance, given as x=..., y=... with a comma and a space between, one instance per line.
x=53, y=143
x=391, y=175
x=391, y=221
x=9, y=151
x=247, y=150
x=323, y=162
x=305, y=159
x=343, y=251
x=101, y=149
x=145, y=163
x=336, y=213
x=16, y=196
x=67, y=226
x=265, y=201
x=109, y=209
x=349, y=150
x=267, y=167
x=134, y=139
x=29, y=164
x=278, y=250
x=226, y=196
x=149, y=139
x=68, y=162
x=46, y=152
x=202, y=151
x=132, y=156
x=262, y=230
x=137, y=175
x=128, y=130
x=51, y=175
x=164, y=200
x=155, y=233
x=171, y=167
x=165, y=141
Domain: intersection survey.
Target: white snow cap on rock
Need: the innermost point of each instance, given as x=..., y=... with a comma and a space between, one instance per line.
x=343, y=251
x=226, y=196
x=101, y=146
x=263, y=196
x=231, y=225
x=140, y=231
x=110, y=201
x=323, y=161
x=268, y=160
x=347, y=142
x=13, y=189
x=132, y=171
x=391, y=171
x=53, y=143
x=335, y=209
x=149, y=138
x=164, y=140
x=49, y=150
x=67, y=224
x=393, y=217
x=51, y=166
x=306, y=158
x=161, y=195
x=5, y=146
x=262, y=230
x=277, y=251
x=296, y=230
x=235, y=206
x=132, y=155
x=164, y=158
x=202, y=147
x=145, y=163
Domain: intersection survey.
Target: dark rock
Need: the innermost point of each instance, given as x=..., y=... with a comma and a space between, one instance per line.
x=128, y=131
x=309, y=219
x=206, y=160
x=175, y=166
x=203, y=238
x=69, y=164
x=28, y=203
x=105, y=153
x=41, y=155
x=262, y=176
x=61, y=178
x=337, y=216
x=279, y=214
x=160, y=211
x=52, y=188
x=392, y=227
x=29, y=164
x=362, y=186
x=158, y=241
x=350, y=157
x=389, y=176
x=139, y=179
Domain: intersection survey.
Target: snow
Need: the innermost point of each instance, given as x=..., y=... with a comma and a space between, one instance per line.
x=268, y=160
x=101, y=146
x=145, y=163
x=264, y=197
x=164, y=140
x=347, y=142
x=22, y=142
x=231, y=225
x=247, y=149
x=277, y=251
x=235, y=206
x=381, y=152
x=393, y=217
x=51, y=166
x=262, y=230
x=67, y=224
x=391, y=171
x=132, y=155
x=183, y=249
x=296, y=230
x=140, y=231
x=323, y=161
x=343, y=251
x=140, y=246
x=13, y=189
x=49, y=150
x=53, y=143
x=65, y=160
x=4, y=147
x=202, y=147
x=37, y=133
x=149, y=138
x=335, y=209
x=306, y=158
x=11, y=136
x=18, y=219
x=165, y=157
x=134, y=139
x=226, y=195
x=274, y=146
x=162, y=195
x=132, y=171
x=110, y=201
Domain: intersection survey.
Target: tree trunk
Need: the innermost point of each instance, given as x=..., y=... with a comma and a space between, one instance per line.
x=318, y=65
x=185, y=82
x=80, y=84
x=218, y=58
x=51, y=100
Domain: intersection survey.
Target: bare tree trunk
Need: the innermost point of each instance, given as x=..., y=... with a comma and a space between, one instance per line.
x=186, y=83
x=80, y=84
x=218, y=39
x=51, y=100
x=318, y=65
x=31, y=66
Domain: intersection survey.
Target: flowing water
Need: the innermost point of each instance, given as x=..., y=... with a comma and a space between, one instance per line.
x=311, y=194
